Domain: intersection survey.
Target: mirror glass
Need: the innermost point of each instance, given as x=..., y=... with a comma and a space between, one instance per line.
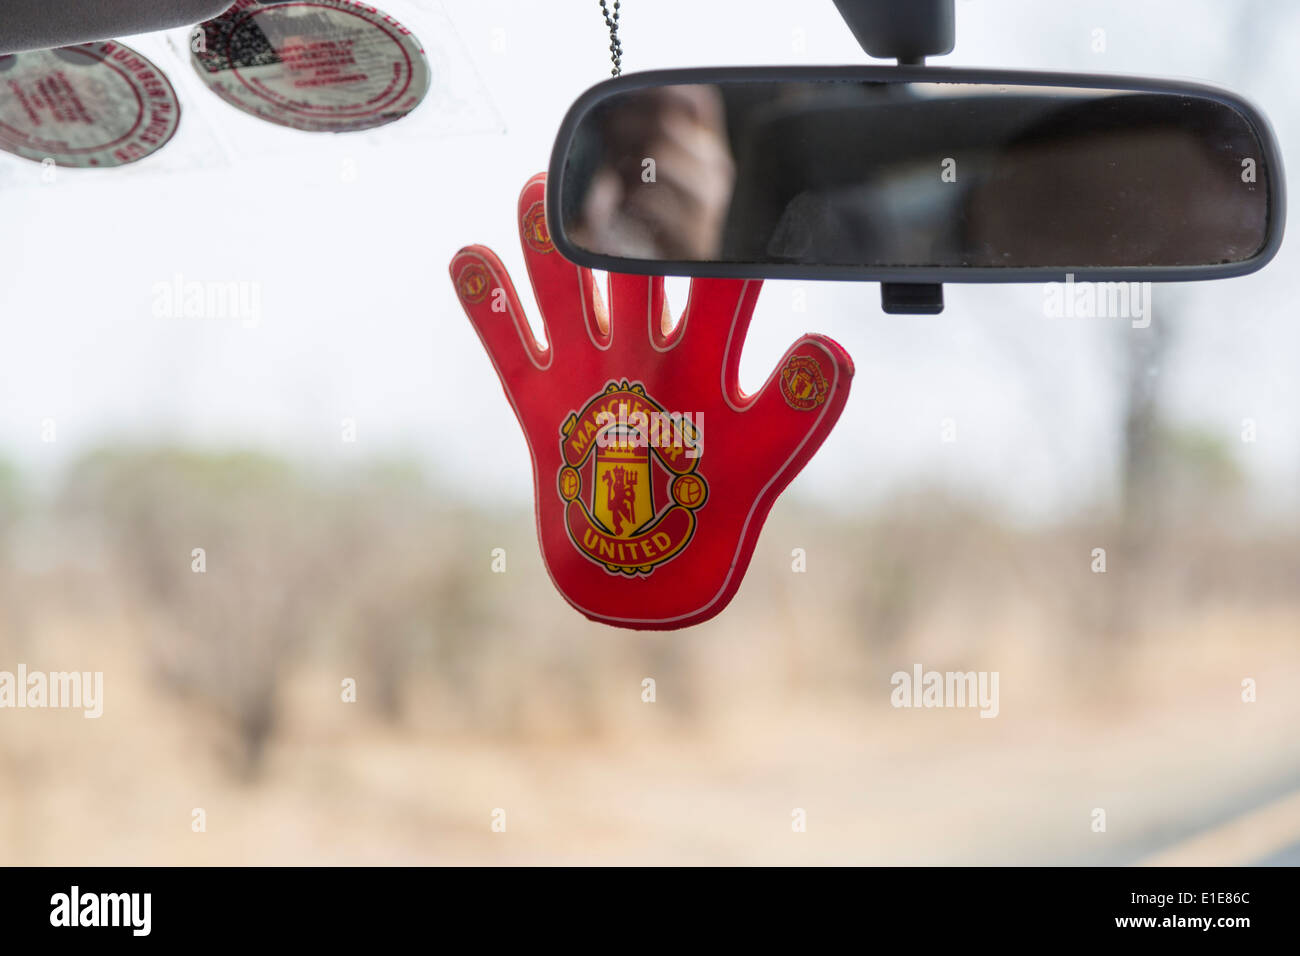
x=914, y=174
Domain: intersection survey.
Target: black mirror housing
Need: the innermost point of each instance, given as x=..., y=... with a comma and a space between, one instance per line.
x=1253, y=227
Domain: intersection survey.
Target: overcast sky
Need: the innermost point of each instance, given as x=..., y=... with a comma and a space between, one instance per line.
x=348, y=239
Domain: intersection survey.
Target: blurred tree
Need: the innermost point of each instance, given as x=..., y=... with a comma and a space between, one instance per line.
x=10, y=505
x=234, y=614
x=1145, y=351
x=11, y=499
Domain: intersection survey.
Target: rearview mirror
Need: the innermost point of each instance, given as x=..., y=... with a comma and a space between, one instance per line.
x=914, y=174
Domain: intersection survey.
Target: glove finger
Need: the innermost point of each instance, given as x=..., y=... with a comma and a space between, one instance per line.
x=802, y=399
x=638, y=312
x=566, y=294
x=715, y=322
x=489, y=299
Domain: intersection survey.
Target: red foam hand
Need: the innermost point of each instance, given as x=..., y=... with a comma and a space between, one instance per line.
x=652, y=471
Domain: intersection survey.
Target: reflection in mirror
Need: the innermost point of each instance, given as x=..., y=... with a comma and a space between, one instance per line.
x=882, y=174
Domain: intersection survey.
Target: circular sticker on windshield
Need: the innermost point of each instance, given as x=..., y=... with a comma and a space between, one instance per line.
x=94, y=105
x=319, y=65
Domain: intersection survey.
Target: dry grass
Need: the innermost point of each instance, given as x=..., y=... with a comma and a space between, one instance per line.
x=480, y=691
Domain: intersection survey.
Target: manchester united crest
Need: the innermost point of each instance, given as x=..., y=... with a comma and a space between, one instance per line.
x=803, y=385
x=473, y=282
x=534, y=228
x=630, y=479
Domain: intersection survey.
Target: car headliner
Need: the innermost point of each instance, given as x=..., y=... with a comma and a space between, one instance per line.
x=41, y=24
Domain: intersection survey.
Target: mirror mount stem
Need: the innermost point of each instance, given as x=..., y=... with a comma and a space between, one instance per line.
x=911, y=298
x=905, y=30
x=908, y=31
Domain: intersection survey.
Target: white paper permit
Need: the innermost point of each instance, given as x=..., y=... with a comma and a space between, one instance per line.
x=97, y=105
x=317, y=65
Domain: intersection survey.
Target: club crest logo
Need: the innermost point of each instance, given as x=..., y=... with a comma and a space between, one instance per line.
x=534, y=228
x=630, y=480
x=803, y=386
x=473, y=282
